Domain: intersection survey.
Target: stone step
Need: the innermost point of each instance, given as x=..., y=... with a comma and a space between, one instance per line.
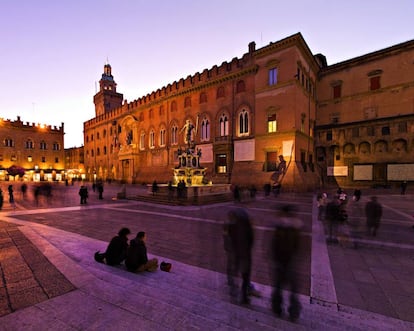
x=186, y=298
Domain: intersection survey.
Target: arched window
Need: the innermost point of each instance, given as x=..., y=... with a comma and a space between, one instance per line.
x=43, y=145
x=205, y=129
x=223, y=126
x=173, y=106
x=8, y=142
x=98, y=152
x=142, y=140
x=152, y=139
x=187, y=102
x=162, y=137
x=56, y=146
x=104, y=133
x=104, y=150
x=97, y=136
x=92, y=153
x=220, y=92
x=29, y=144
x=174, y=135
x=243, y=123
x=241, y=86
x=203, y=97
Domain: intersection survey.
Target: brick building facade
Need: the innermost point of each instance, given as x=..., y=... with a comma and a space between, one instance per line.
x=277, y=100
x=36, y=148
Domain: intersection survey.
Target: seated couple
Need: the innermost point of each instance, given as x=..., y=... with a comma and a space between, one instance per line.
x=134, y=254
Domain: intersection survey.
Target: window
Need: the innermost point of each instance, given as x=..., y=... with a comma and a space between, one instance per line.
x=142, y=141
x=162, y=111
x=104, y=150
x=43, y=144
x=152, y=139
x=243, y=122
x=174, y=135
x=104, y=133
x=385, y=130
x=302, y=122
x=91, y=137
x=402, y=127
x=220, y=92
x=173, y=106
x=13, y=158
x=337, y=89
x=92, y=153
x=162, y=137
x=223, y=126
x=43, y=159
x=221, y=162
x=271, y=161
x=273, y=76
x=56, y=146
x=29, y=158
x=98, y=152
x=375, y=83
x=97, y=136
x=370, y=131
x=151, y=113
x=203, y=97
x=240, y=87
x=329, y=135
x=205, y=130
x=29, y=144
x=355, y=132
x=56, y=160
x=8, y=142
x=271, y=123
x=187, y=102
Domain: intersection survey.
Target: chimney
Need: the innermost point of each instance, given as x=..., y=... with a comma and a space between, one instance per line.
x=252, y=47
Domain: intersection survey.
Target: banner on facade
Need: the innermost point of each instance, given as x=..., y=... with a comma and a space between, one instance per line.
x=337, y=171
x=206, y=153
x=400, y=172
x=363, y=172
x=244, y=150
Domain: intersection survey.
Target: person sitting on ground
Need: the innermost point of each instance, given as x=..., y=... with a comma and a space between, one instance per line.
x=137, y=259
x=116, y=252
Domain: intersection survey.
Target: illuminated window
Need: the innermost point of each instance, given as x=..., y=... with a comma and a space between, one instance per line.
x=221, y=163
x=29, y=159
x=43, y=159
x=271, y=123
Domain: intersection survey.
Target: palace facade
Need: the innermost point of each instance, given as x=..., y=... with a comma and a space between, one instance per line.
x=328, y=122
x=36, y=148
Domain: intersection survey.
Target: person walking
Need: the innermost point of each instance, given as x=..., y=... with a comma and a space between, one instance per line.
x=1, y=199
x=373, y=212
x=240, y=244
x=83, y=193
x=332, y=216
x=284, y=249
x=11, y=197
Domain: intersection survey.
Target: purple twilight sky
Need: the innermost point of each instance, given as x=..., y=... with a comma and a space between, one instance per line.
x=52, y=52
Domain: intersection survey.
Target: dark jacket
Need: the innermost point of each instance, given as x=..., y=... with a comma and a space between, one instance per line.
x=285, y=244
x=137, y=255
x=333, y=211
x=116, y=251
x=373, y=211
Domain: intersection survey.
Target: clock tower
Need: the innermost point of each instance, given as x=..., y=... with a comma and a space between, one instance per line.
x=107, y=98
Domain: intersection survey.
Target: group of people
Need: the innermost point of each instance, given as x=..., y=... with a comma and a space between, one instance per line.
x=131, y=252
x=334, y=212
x=238, y=237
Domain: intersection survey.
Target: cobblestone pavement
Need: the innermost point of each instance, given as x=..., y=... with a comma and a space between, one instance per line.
x=376, y=277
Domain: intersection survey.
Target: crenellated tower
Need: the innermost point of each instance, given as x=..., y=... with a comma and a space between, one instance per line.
x=107, y=98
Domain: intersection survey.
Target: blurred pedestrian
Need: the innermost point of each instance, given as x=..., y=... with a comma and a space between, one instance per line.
x=321, y=201
x=333, y=217
x=357, y=195
x=11, y=197
x=403, y=187
x=83, y=193
x=284, y=249
x=23, y=188
x=100, y=188
x=239, y=246
x=373, y=212
x=1, y=199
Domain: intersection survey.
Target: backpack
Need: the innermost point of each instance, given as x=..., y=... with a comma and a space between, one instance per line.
x=99, y=257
